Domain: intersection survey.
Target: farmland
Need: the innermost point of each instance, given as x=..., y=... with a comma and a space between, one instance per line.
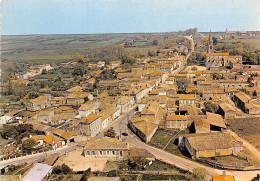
x=62, y=48
x=247, y=128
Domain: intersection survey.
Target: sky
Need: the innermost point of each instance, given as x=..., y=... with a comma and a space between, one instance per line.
x=127, y=16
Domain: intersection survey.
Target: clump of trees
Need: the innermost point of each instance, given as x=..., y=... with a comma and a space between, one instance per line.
x=115, y=52
x=29, y=144
x=86, y=175
x=17, y=132
x=251, y=57
x=62, y=169
x=211, y=107
x=196, y=58
x=182, y=84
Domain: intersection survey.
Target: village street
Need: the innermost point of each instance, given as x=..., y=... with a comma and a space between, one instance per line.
x=35, y=157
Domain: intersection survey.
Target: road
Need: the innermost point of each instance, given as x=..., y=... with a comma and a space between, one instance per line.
x=37, y=156
x=184, y=63
x=116, y=124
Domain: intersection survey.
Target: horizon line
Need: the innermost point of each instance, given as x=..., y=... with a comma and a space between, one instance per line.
x=124, y=33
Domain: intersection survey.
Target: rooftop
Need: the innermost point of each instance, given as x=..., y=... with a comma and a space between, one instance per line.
x=90, y=118
x=145, y=124
x=38, y=172
x=39, y=99
x=75, y=89
x=211, y=141
x=176, y=117
x=105, y=143
x=217, y=54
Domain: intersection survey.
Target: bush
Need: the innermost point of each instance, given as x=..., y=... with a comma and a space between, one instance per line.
x=29, y=144
x=62, y=169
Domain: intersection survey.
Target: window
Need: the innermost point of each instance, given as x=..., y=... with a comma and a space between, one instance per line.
x=100, y=153
x=108, y=152
x=113, y=153
x=93, y=153
x=88, y=153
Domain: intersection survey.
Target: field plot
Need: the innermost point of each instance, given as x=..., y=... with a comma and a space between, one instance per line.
x=248, y=128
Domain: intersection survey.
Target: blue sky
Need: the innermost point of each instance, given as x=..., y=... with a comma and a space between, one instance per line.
x=127, y=16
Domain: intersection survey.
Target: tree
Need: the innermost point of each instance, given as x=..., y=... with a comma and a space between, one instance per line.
x=86, y=175
x=182, y=84
x=196, y=58
x=215, y=40
x=29, y=144
x=62, y=169
x=155, y=42
x=211, y=107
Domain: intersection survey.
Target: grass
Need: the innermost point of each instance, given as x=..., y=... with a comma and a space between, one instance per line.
x=173, y=146
x=159, y=165
x=162, y=137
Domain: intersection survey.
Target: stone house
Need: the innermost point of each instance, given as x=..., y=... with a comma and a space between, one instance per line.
x=201, y=126
x=45, y=116
x=227, y=110
x=38, y=103
x=87, y=83
x=77, y=98
x=57, y=101
x=209, y=144
x=86, y=109
x=91, y=125
x=111, y=148
x=176, y=121
x=54, y=141
x=187, y=100
x=38, y=138
x=144, y=127
x=125, y=103
x=241, y=100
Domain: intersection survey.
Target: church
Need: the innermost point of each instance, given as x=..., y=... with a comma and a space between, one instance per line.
x=214, y=60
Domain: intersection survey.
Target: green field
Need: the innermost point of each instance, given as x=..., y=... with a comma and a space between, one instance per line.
x=62, y=48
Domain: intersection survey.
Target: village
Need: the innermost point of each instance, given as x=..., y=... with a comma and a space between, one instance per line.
x=158, y=108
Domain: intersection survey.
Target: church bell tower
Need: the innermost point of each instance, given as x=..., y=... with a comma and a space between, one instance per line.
x=210, y=43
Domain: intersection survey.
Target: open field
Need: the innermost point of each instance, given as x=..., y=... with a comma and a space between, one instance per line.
x=248, y=128
x=251, y=41
x=62, y=48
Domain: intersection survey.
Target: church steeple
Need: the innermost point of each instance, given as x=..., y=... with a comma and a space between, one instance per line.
x=210, y=43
